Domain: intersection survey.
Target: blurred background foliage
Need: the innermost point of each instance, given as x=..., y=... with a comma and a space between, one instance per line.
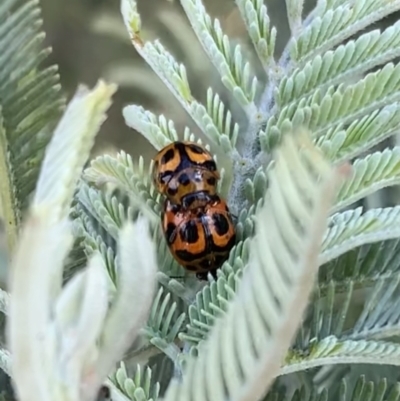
x=89, y=41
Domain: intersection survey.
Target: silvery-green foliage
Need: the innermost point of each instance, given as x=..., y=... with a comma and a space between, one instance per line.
x=51, y=349
x=30, y=105
x=64, y=340
x=339, y=80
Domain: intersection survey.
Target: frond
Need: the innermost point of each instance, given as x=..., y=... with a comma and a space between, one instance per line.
x=370, y=174
x=164, y=324
x=213, y=299
x=330, y=324
x=133, y=179
x=363, y=266
x=337, y=23
x=351, y=229
x=340, y=142
x=294, y=10
x=210, y=304
x=105, y=209
x=163, y=369
x=359, y=389
x=141, y=387
x=234, y=71
x=348, y=103
x=361, y=135
x=174, y=77
x=159, y=131
x=345, y=62
x=326, y=315
x=76, y=259
x=332, y=351
x=380, y=317
x=340, y=105
x=220, y=123
x=92, y=236
x=30, y=106
x=263, y=36
x=255, y=188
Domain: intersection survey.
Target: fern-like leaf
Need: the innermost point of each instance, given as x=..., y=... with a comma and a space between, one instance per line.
x=380, y=318
x=359, y=389
x=345, y=62
x=363, y=265
x=374, y=172
x=235, y=73
x=164, y=324
x=351, y=229
x=30, y=106
x=174, y=77
x=255, y=16
x=333, y=351
x=139, y=388
x=134, y=179
x=338, y=24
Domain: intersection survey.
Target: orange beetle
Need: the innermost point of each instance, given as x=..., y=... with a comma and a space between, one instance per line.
x=186, y=174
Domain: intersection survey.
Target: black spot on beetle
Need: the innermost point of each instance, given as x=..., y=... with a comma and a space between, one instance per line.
x=188, y=233
x=210, y=165
x=168, y=156
x=196, y=149
x=221, y=223
x=184, y=179
x=185, y=255
x=172, y=191
x=211, y=181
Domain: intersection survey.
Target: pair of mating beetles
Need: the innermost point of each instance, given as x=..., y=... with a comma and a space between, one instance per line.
x=197, y=223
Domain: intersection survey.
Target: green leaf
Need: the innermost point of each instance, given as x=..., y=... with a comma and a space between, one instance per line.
x=348, y=389
x=139, y=388
x=326, y=315
x=105, y=208
x=331, y=351
x=30, y=106
x=263, y=36
x=134, y=179
x=337, y=24
x=346, y=62
x=370, y=174
x=380, y=317
x=341, y=143
x=352, y=229
x=363, y=265
x=164, y=323
x=234, y=70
